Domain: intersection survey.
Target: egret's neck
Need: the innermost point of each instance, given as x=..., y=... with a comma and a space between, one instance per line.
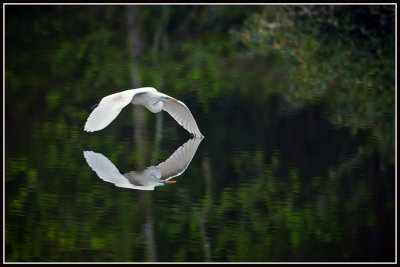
x=154, y=105
x=149, y=100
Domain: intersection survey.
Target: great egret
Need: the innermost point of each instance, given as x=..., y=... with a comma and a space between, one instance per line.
x=149, y=178
x=110, y=106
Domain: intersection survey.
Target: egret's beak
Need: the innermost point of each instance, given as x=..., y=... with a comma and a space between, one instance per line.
x=171, y=99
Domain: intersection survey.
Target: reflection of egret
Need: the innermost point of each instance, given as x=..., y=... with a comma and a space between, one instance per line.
x=110, y=106
x=149, y=178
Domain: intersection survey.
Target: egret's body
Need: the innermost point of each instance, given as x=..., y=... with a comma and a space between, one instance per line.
x=150, y=177
x=110, y=106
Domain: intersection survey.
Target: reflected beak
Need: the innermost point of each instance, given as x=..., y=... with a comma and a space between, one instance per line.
x=169, y=181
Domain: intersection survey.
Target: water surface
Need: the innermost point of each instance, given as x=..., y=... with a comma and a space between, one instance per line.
x=297, y=163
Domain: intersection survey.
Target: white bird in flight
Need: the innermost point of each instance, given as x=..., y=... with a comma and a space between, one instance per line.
x=110, y=106
x=149, y=178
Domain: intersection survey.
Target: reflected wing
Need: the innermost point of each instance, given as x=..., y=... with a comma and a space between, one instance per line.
x=177, y=163
x=107, y=171
x=181, y=113
x=108, y=109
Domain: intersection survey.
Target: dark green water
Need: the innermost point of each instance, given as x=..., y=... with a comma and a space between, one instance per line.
x=297, y=106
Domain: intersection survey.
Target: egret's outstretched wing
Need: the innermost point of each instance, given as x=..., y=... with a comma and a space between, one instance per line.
x=181, y=113
x=108, y=109
x=177, y=163
x=107, y=171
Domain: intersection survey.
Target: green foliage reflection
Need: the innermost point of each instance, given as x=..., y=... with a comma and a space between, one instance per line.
x=297, y=105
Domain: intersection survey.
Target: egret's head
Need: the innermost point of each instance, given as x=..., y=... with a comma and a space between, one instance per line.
x=152, y=175
x=168, y=98
x=164, y=182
